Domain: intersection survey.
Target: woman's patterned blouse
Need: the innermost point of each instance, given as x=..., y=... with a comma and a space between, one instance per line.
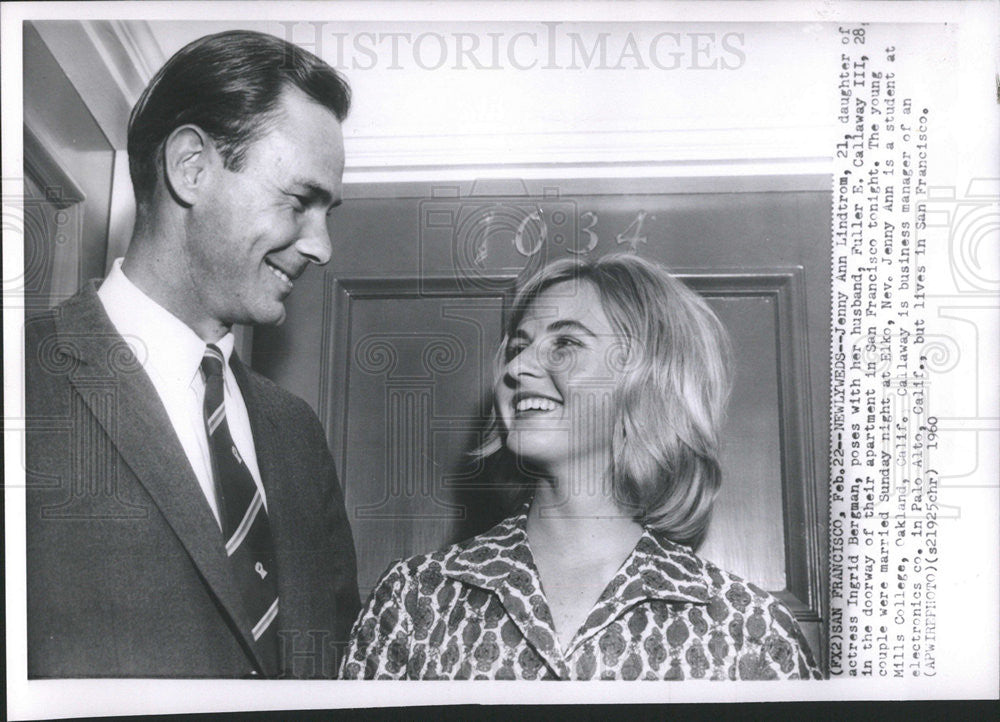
x=476, y=611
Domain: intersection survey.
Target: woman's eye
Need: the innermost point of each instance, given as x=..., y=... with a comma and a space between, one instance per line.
x=560, y=352
x=565, y=342
x=512, y=351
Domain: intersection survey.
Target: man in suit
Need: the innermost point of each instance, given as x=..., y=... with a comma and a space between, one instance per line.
x=184, y=517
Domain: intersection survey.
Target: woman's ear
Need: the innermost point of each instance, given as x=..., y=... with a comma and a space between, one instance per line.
x=188, y=159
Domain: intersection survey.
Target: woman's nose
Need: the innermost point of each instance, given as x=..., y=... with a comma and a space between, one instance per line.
x=526, y=362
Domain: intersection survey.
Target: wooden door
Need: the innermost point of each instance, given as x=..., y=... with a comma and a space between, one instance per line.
x=393, y=345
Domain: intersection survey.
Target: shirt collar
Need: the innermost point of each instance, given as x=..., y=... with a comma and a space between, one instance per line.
x=656, y=569
x=166, y=346
x=500, y=561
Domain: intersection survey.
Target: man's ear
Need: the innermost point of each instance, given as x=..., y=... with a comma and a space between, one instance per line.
x=189, y=157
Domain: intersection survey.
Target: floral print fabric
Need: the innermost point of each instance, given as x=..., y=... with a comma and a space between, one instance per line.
x=476, y=611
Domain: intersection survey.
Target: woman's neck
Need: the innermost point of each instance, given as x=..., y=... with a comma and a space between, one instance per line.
x=580, y=518
x=579, y=538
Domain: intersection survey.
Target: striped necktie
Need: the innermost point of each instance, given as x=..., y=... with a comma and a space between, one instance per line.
x=244, y=519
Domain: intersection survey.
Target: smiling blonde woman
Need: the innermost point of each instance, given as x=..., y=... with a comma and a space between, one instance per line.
x=610, y=391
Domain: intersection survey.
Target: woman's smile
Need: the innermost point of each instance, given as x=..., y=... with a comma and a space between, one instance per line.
x=529, y=405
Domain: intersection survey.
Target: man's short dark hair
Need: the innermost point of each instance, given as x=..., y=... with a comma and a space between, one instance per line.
x=229, y=85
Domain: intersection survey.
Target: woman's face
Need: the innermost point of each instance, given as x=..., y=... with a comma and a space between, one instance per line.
x=555, y=396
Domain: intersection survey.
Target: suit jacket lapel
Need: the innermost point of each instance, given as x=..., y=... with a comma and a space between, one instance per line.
x=138, y=426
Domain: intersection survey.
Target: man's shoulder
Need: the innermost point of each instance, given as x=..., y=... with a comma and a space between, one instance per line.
x=58, y=339
x=39, y=326
x=79, y=308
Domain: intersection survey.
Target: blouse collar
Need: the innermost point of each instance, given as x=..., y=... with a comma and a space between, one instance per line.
x=500, y=561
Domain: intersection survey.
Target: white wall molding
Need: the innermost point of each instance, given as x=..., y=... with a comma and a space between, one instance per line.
x=802, y=175
x=143, y=50
x=701, y=153
x=717, y=145
x=130, y=53
x=109, y=64
x=83, y=61
x=577, y=183
x=41, y=160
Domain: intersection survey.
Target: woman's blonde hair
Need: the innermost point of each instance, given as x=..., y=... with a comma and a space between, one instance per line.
x=670, y=400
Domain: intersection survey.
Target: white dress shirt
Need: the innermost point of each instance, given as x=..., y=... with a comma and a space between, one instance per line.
x=170, y=352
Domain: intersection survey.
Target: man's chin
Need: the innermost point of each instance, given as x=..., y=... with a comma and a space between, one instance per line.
x=270, y=316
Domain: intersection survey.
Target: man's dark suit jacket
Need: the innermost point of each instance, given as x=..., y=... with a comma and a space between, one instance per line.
x=126, y=567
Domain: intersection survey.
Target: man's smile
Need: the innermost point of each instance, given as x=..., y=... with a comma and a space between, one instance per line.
x=285, y=277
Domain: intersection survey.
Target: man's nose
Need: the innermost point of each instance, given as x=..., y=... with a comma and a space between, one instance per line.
x=314, y=242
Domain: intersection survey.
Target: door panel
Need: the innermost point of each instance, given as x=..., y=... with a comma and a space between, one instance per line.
x=751, y=451
x=411, y=378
